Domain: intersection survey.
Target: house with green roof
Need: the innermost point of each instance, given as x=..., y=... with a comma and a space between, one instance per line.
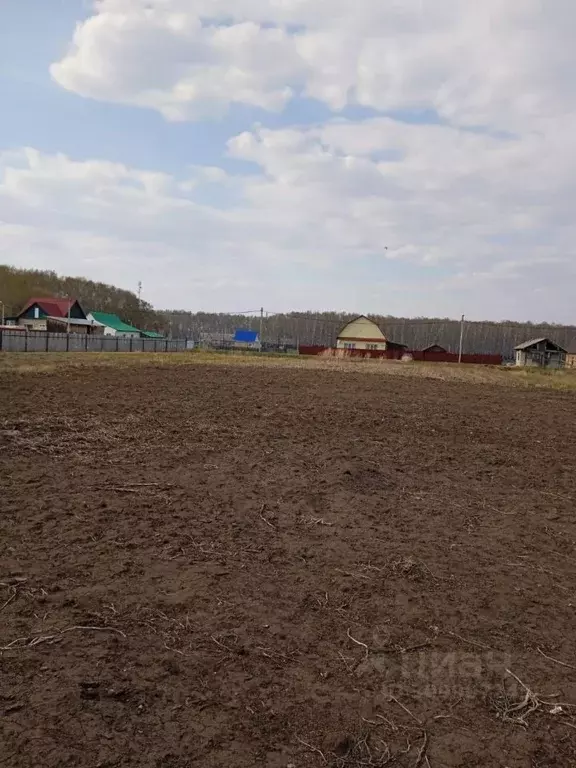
x=112, y=325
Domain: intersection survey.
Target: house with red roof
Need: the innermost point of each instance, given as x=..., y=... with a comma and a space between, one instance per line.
x=55, y=315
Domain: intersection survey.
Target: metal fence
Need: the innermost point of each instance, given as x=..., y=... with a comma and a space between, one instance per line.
x=41, y=341
x=399, y=354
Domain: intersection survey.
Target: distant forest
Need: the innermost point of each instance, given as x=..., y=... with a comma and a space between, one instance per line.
x=322, y=328
x=19, y=285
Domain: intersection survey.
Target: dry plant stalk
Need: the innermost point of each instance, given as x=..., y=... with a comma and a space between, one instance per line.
x=519, y=711
x=32, y=641
x=261, y=516
x=358, y=642
x=556, y=661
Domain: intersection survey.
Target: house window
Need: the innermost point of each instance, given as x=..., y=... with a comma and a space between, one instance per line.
x=371, y=346
x=348, y=345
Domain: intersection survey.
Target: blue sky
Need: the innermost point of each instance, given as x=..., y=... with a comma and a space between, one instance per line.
x=41, y=114
x=410, y=160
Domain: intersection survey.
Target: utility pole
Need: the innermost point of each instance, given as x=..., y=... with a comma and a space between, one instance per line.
x=461, y=339
x=261, y=325
x=139, y=319
x=68, y=315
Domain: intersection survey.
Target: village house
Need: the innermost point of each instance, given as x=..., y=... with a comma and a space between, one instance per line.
x=109, y=324
x=364, y=334
x=55, y=315
x=542, y=353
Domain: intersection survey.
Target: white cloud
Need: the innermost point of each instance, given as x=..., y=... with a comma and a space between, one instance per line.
x=171, y=61
x=475, y=217
x=476, y=211
x=501, y=64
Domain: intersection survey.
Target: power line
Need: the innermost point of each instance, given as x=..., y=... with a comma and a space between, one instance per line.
x=243, y=312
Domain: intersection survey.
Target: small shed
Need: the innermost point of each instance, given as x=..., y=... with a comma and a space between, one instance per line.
x=246, y=339
x=542, y=353
x=571, y=354
x=434, y=348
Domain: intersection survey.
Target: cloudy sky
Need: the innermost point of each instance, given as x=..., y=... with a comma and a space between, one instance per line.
x=407, y=157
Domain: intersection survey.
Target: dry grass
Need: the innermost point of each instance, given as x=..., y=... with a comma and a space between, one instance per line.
x=38, y=362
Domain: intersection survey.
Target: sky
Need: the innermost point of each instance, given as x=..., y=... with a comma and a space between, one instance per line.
x=402, y=157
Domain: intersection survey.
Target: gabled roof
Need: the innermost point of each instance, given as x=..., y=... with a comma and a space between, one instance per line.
x=430, y=347
x=73, y=320
x=534, y=342
x=113, y=321
x=372, y=322
x=354, y=319
x=247, y=337
x=51, y=306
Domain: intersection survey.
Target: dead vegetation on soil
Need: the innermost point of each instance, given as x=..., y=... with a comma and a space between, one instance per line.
x=40, y=362
x=212, y=566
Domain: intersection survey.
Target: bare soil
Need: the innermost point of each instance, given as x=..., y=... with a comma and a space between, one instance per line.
x=241, y=566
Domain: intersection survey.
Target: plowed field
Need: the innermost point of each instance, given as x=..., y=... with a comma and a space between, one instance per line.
x=236, y=566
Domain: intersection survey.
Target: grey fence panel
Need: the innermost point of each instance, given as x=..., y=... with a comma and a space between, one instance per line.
x=41, y=341
x=57, y=342
x=13, y=342
x=108, y=343
x=77, y=342
x=35, y=343
x=94, y=343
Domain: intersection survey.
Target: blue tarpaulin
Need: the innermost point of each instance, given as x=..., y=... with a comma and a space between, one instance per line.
x=246, y=337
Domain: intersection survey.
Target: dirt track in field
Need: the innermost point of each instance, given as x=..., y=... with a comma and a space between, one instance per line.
x=232, y=567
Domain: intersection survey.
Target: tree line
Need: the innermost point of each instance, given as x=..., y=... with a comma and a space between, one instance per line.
x=19, y=285
x=292, y=328
x=321, y=328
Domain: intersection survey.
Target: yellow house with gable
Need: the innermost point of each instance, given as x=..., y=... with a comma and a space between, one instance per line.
x=362, y=333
